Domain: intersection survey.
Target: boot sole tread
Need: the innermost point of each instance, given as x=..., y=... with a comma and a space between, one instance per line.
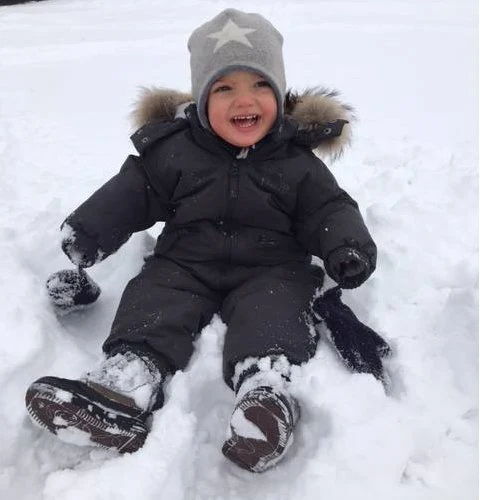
x=55, y=414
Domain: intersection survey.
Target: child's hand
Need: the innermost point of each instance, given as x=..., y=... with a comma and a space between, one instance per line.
x=349, y=267
x=82, y=250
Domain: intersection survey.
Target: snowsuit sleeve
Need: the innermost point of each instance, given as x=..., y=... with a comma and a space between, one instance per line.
x=328, y=218
x=105, y=221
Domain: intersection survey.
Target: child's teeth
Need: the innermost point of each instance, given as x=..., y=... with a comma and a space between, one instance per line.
x=245, y=121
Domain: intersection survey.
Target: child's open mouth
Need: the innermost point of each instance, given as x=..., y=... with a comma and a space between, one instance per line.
x=245, y=121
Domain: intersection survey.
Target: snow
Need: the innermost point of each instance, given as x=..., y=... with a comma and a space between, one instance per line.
x=72, y=434
x=70, y=70
x=63, y=395
x=129, y=374
x=244, y=427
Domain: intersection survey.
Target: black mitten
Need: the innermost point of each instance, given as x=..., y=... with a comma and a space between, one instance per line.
x=80, y=248
x=349, y=267
x=358, y=345
x=71, y=289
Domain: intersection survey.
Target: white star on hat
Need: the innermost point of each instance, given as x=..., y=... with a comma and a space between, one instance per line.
x=231, y=33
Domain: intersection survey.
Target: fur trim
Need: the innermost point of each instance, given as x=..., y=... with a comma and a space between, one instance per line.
x=316, y=107
x=157, y=104
x=311, y=109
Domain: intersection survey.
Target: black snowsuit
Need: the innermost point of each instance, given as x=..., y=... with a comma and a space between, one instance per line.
x=238, y=238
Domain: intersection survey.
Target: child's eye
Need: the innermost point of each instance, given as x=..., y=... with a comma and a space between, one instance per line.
x=221, y=88
x=262, y=83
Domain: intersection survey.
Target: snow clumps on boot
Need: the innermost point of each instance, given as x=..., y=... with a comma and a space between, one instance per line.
x=109, y=407
x=262, y=423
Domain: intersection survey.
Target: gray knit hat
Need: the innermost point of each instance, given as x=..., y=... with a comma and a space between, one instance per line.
x=235, y=40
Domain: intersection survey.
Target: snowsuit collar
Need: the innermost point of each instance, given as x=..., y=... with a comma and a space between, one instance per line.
x=315, y=118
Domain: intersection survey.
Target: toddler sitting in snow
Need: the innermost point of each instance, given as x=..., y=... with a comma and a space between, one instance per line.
x=246, y=203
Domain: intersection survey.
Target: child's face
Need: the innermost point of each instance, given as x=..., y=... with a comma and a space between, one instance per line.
x=241, y=108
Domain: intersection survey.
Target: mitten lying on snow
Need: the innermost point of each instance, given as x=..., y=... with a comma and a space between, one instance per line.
x=71, y=289
x=358, y=345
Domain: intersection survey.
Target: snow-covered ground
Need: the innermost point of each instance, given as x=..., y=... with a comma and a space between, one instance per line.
x=69, y=71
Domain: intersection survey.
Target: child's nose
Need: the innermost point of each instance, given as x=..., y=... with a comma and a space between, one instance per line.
x=244, y=98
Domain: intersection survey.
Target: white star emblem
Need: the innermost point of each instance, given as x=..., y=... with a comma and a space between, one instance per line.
x=231, y=33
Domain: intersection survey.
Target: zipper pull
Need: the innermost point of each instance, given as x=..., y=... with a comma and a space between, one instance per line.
x=243, y=153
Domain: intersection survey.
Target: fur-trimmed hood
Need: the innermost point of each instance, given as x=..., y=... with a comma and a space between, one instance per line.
x=323, y=120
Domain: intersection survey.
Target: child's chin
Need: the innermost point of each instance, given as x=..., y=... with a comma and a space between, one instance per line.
x=245, y=140
x=243, y=144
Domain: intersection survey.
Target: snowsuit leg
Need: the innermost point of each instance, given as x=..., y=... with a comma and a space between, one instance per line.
x=267, y=315
x=161, y=311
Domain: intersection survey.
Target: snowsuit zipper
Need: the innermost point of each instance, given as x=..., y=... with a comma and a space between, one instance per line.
x=233, y=182
x=232, y=196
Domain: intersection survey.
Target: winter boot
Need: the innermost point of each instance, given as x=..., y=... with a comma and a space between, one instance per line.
x=108, y=408
x=265, y=414
x=261, y=429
